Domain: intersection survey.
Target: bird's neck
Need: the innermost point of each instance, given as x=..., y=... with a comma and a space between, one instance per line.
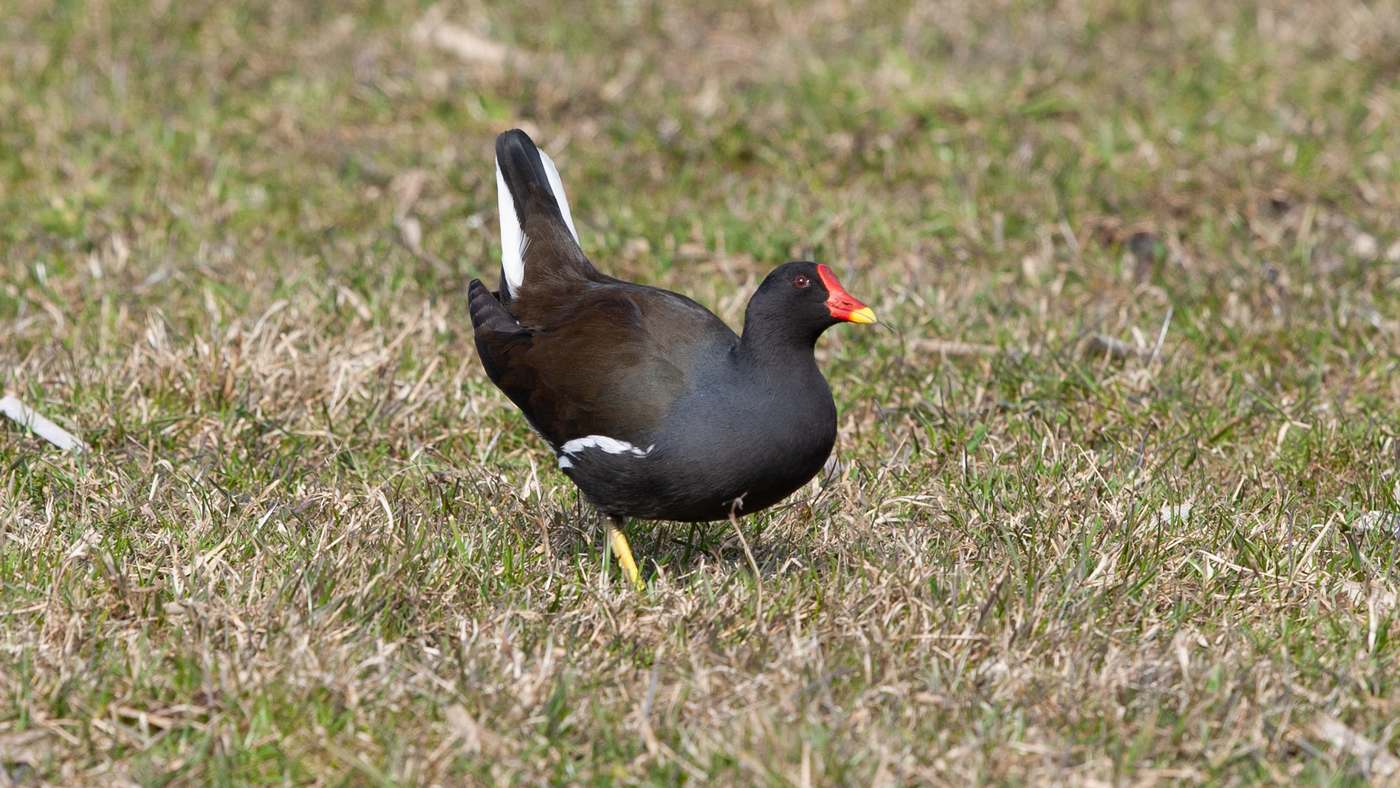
x=777, y=344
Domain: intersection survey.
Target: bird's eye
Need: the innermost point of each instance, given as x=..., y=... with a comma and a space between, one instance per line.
x=800, y=281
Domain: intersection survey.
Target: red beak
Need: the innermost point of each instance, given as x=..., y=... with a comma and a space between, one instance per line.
x=843, y=305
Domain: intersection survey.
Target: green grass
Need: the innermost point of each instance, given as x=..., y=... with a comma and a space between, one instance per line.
x=311, y=543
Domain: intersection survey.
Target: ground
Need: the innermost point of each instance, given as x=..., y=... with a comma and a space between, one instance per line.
x=1114, y=498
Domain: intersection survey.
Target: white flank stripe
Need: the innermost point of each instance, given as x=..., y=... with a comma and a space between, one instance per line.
x=41, y=426
x=609, y=445
x=556, y=185
x=513, y=239
x=564, y=463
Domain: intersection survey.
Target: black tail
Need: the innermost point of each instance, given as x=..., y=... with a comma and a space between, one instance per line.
x=534, y=216
x=525, y=175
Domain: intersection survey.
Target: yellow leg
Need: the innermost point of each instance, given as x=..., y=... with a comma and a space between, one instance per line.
x=623, y=551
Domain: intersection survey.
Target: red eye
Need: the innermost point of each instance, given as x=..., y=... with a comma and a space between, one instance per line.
x=800, y=281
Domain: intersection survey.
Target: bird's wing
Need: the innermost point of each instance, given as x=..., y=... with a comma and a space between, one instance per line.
x=611, y=362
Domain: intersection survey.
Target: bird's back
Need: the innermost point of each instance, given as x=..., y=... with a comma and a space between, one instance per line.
x=579, y=352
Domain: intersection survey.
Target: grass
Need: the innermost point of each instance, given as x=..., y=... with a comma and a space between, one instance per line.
x=1104, y=477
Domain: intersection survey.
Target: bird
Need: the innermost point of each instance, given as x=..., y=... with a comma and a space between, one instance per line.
x=653, y=406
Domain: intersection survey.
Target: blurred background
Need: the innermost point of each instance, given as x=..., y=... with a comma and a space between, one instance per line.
x=920, y=141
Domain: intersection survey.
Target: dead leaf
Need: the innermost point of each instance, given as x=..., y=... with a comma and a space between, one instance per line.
x=1375, y=760
x=434, y=30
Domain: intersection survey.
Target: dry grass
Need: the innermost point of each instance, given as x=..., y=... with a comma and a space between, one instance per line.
x=1113, y=487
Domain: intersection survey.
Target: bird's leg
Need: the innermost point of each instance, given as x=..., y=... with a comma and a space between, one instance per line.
x=623, y=551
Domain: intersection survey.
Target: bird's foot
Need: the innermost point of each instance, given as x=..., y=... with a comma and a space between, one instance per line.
x=623, y=551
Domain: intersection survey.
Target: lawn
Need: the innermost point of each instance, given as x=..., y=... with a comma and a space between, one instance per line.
x=1116, y=496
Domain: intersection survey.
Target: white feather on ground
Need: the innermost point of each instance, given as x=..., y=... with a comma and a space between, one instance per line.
x=27, y=417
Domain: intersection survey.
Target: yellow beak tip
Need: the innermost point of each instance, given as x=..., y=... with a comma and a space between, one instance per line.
x=865, y=315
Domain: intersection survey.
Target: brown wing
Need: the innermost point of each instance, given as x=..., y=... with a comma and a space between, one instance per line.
x=579, y=352
x=611, y=360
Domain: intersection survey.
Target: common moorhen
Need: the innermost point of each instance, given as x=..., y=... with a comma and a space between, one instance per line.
x=653, y=406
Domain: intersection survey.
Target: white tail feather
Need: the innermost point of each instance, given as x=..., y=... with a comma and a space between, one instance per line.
x=512, y=237
x=556, y=185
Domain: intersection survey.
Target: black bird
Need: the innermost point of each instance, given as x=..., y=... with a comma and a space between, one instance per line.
x=652, y=405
